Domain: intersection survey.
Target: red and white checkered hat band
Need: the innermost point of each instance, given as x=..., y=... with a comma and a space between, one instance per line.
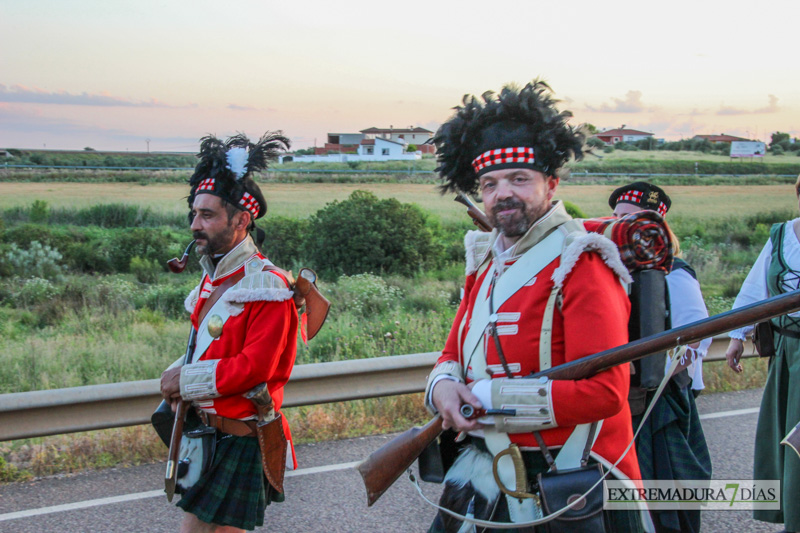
x=250, y=203
x=631, y=196
x=519, y=154
x=206, y=185
x=662, y=208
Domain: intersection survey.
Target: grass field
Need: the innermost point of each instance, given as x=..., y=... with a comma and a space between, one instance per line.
x=302, y=200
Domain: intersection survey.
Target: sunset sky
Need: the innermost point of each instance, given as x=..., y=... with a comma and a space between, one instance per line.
x=112, y=74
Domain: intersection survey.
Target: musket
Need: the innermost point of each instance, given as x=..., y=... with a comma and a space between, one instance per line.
x=385, y=465
x=478, y=217
x=171, y=476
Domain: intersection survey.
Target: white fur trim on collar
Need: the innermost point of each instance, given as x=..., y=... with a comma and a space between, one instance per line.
x=191, y=301
x=476, y=245
x=590, y=242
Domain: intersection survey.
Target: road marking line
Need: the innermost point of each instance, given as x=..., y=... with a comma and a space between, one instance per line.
x=735, y=412
x=150, y=494
x=291, y=473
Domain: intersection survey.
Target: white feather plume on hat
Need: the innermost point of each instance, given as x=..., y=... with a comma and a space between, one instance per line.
x=237, y=161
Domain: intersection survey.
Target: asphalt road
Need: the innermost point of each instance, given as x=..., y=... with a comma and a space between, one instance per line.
x=326, y=494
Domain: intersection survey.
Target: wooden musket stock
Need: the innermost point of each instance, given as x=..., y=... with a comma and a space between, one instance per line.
x=478, y=217
x=382, y=468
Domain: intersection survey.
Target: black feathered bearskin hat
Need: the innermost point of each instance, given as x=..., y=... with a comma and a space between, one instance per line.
x=642, y=194
x=226, y=168
x=518, y=128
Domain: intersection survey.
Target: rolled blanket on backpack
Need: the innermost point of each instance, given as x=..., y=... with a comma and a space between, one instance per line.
x=643, y=238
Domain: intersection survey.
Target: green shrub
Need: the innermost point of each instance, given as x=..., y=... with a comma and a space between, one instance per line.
x=594, y=142
x=39, y=212
x=364, y=234
x=145, y=270
x=35, y=291
x=37, y=261
x=364, y=294
x=284, y=242
x=148, y=244
x=608, y=149
x=167, y=299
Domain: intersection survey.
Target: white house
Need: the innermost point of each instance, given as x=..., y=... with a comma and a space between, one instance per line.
x=410, y=135
x=381, y=147
x=368, y=150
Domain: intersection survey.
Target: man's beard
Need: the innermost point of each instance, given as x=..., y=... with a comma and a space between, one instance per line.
x=520, y=222
x=216, y=244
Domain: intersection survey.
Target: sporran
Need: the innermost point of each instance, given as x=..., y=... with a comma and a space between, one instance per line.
x=196, y=453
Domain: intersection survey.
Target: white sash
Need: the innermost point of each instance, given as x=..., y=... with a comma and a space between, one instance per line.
x=529, y=265
x=204, y=338
x=522, y=271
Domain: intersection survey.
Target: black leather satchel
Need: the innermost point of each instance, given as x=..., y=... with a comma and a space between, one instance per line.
x=560, y=488
x=763, y=339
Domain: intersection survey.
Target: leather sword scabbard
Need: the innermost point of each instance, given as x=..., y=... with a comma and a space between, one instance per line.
x=272, y=442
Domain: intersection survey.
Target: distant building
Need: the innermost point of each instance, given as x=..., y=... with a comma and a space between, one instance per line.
x=719, y=139
x=350, y=143
x=410, y=135
x=611, y=137
x=382, y=147
x=367, y=150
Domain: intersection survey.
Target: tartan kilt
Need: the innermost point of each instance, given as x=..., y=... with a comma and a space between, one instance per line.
x=672, y=446
x=234, y=491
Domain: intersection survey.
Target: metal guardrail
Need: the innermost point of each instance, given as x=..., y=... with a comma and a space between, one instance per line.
x=57, y=411
x=53, y=412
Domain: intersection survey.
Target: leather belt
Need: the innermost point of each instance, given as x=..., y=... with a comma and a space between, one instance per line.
x=238, y=428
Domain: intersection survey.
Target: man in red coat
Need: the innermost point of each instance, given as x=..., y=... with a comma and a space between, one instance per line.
x=246, y=324
x=540, y=292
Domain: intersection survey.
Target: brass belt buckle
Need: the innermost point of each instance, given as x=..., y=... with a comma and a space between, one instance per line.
x=520, y=474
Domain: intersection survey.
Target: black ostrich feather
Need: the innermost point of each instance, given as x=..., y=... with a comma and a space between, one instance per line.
x=213, y=163
x=456, y=140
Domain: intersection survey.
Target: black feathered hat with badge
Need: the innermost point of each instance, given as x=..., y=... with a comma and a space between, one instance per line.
x=226, y=169
x=517, y=128
x=642, y=194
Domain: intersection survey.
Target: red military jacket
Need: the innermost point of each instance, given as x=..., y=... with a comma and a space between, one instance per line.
x=593, y=317
x=258, y=342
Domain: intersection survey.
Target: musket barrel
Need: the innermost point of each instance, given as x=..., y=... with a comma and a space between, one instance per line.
x=687, y=334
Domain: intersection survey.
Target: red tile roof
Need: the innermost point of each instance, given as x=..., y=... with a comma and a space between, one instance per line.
x=620, y=132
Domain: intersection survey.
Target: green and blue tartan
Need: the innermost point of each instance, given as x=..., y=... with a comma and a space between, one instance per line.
x=672, y=445
x=234, y=491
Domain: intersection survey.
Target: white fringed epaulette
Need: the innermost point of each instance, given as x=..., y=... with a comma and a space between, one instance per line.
x=191, y=301
x=590, y=242
x=257, y=285
x=476, y=244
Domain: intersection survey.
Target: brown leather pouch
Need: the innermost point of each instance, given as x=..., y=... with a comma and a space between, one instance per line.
x=763, y=339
